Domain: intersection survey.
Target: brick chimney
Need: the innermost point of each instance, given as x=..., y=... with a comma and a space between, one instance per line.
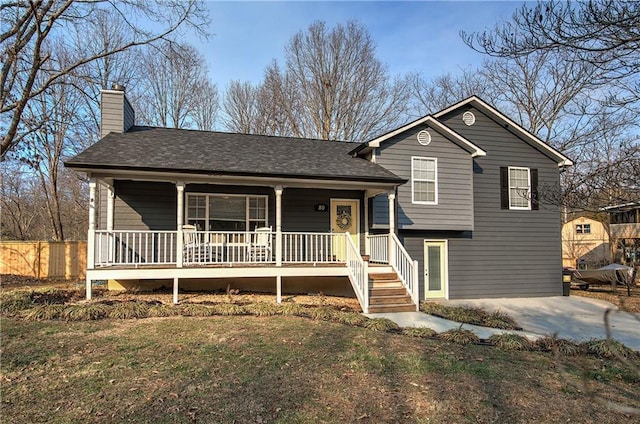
x=116, y=113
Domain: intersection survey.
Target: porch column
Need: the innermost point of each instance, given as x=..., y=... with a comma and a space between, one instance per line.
x=278, y=190
x=179, y=224
x=175, y=290
x=366, y=224
x=110, y=219
x=110, y=207
x=392, y=224
x=91, y=236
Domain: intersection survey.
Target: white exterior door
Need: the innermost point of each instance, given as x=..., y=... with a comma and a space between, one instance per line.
x=435, y=269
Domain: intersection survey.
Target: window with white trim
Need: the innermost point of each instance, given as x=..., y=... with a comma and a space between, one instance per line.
x=519, y=188
x=222, y=212
x=424, y=180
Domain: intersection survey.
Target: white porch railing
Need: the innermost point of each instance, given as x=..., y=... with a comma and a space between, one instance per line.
x=313, y=247
x=216, y=247
x=135, y=247
x=399, y=259
x=228, y=247
x=358, y=274
x=379, y=248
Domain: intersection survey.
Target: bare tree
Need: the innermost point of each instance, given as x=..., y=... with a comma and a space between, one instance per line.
x=602, y=33
x=240, y=106
x=205, y=105
x=332, y=86
x=53, y=121
x=22, y=210
x=29, y=28
x=172, y=74
x=430, y=96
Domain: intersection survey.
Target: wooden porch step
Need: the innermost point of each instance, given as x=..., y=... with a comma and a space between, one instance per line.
x=383, y=276
x=387, y=291
x=395, y=299
x=389, y=284
x=390, y=307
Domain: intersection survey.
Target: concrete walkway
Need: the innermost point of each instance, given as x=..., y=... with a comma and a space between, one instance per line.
x=574, y=318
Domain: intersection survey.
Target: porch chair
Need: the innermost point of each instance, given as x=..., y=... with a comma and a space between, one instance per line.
x=194, y=249
x=259, y=250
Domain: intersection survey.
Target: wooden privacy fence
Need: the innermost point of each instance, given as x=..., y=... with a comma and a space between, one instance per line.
x=44, y=259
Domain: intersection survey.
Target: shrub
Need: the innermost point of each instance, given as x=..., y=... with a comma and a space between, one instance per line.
x=294, y=309
x=43, y=312
x=470, y=315
x=129, y=310
x=14, y=301
x=351, y=318
x=197, y=310
x=459, y=336
x=422, y=332
x=500, y=320
x=229, y=309
x=508, y=341
x=381, y=324
x=162, y=310
x=553, y=344
x=607, y=348
x=263, y=309
x=322, y=313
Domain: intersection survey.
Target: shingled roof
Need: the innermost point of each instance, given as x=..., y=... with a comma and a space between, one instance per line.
x=202, y=152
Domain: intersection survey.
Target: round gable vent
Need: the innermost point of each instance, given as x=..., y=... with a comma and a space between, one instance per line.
x=424, y=137
x=468, y=118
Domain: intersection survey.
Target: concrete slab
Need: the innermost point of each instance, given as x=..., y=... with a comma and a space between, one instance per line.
x=571, y=317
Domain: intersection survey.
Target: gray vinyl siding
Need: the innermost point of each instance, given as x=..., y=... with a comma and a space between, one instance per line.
x=101, y=204
x=511, y=253
x=298, y=209
x=454, y=208
x=117, y=115
x=142, y=205
x=153, y=205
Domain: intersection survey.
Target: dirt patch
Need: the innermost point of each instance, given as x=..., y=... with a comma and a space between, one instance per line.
x=618, y=297
x=9, y=282
x=16, y=281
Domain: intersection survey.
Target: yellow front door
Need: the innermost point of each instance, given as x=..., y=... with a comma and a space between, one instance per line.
x=345, y=217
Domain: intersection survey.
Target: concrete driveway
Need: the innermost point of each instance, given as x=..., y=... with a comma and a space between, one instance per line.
x=572, y=317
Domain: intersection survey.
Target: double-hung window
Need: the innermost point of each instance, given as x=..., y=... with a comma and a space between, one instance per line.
x=424, y=180
x=221, y=212
x=519, y=188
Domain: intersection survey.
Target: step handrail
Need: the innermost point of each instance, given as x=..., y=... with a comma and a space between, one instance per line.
x=406, y=268
x=358, y=273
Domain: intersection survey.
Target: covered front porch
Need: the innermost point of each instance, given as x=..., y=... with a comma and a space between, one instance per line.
x=266, y=239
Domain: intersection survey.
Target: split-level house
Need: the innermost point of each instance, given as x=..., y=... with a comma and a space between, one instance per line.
x=446, y=206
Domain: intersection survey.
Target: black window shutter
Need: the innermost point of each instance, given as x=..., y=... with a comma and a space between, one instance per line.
x=535, y=200
x=504, y=187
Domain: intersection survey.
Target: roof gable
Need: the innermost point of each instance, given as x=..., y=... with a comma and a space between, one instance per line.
x=430, y=121
x=512, y=126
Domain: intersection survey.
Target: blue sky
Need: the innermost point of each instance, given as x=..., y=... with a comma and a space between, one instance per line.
x=416, y=36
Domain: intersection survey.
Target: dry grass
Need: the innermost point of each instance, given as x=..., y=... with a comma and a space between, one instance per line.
x=618, y=298
x=286, y=369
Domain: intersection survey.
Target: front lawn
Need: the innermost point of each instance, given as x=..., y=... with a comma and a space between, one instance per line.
x=290, y=369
